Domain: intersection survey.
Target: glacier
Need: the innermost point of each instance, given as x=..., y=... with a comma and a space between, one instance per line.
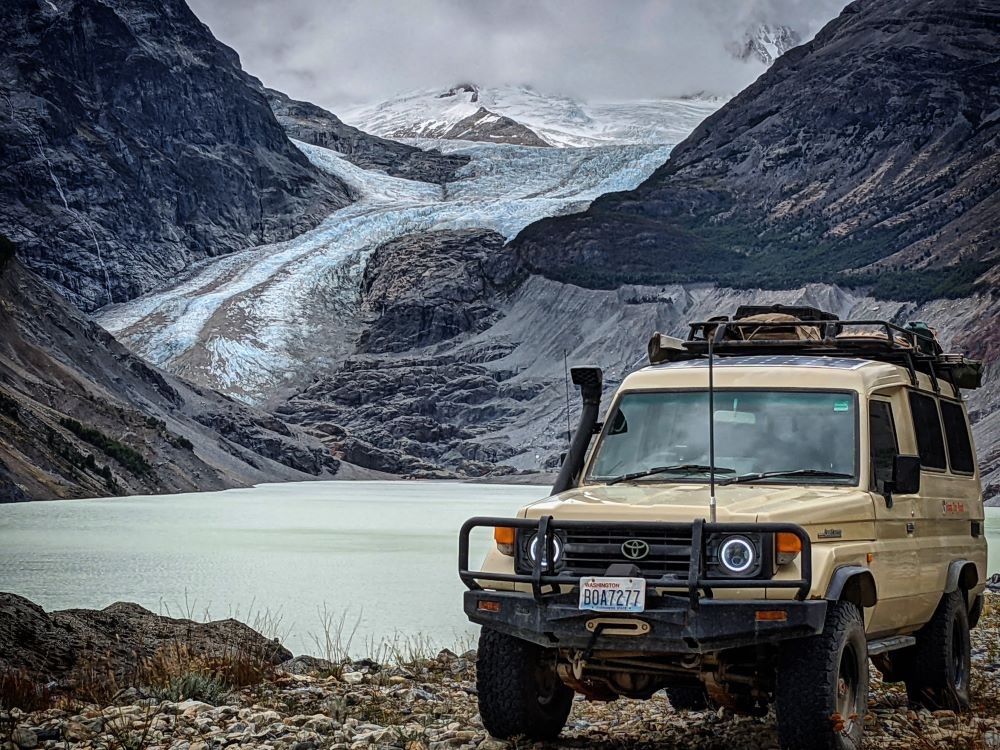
x=255, y=323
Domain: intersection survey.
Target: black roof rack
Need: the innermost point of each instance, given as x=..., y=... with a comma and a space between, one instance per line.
x=776, y=329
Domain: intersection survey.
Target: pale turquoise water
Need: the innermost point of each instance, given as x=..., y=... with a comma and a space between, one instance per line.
x=384, y=553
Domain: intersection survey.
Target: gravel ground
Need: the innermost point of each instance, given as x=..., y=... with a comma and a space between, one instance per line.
x=431, y=705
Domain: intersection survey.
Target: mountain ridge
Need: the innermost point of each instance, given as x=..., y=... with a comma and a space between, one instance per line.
x=880, y=176
x=530, y=117
x=153, y=147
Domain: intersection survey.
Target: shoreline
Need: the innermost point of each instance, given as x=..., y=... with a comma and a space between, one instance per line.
x=417, y=701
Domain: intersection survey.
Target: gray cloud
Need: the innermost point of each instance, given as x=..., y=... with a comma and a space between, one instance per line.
x=338, y=52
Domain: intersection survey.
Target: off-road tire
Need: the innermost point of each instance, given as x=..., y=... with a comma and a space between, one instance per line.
x=520, y=693
x=821, y=692
x=941, y=667
x=975, y=612
x=687, y=698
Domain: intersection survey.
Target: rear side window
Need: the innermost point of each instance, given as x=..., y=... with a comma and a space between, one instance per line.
x=957, y=433
x=927, y=423
x=882, y=433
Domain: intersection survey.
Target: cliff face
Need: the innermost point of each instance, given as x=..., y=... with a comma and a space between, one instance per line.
x=132, y=144
x=868, y=155
x=81, y=416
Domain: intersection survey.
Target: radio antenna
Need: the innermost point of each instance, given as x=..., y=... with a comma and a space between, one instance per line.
x=711, y=427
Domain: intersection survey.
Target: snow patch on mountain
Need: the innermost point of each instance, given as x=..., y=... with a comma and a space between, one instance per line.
x=557, y=120
x=764, y=43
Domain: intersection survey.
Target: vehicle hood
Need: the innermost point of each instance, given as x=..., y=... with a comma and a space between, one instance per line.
x=818, y=507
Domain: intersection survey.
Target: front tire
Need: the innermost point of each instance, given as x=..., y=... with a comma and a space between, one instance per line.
x=687, y=698
x=939, y=674
x=821, y=693
x=520, y=693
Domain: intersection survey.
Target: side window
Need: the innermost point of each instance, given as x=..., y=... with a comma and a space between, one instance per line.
x=882, y=440
x=927, y=424
x=957, y=433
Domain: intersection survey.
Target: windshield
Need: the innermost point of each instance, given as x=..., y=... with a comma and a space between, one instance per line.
x=756, y=432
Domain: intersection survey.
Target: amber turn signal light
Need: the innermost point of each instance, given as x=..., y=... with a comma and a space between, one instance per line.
x=786, y=547
x=488, y=605
x=788, y=543
x=504, y=537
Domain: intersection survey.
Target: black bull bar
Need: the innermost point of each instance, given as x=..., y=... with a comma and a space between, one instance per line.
x=696, y=582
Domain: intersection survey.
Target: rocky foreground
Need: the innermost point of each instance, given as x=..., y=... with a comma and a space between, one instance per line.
x=430, y=703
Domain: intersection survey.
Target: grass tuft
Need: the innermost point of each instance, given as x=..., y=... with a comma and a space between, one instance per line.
x=19, y=690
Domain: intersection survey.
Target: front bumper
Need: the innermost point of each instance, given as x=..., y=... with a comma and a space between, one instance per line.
x=674, y=627
x=692, y=620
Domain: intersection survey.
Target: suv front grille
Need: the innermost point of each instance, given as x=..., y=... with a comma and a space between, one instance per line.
x=590, y=551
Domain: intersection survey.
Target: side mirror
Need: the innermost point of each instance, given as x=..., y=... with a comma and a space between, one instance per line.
x=905, y=475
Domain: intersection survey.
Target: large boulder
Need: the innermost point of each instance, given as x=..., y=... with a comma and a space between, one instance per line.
x=62, y=647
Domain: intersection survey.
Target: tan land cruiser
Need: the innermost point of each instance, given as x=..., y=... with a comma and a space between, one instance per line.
x=769, y=505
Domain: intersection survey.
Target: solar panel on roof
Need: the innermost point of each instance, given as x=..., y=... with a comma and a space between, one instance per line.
x=773, y=360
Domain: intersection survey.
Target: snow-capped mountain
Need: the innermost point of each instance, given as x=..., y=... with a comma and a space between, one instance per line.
x=764, y=43
x=521, y=115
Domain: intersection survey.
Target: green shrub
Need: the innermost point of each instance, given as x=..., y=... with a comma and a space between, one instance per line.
x=951, y=282
x=128, y=457
x=180, y=441
x=195, y=686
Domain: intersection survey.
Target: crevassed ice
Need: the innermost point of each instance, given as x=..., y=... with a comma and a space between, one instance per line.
x=245, y=322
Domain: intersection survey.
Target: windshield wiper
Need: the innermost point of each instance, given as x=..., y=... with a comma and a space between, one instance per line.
x=679, y=469
x=787, y=473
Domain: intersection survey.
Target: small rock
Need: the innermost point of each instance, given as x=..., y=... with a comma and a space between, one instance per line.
x=352, y=678
x=74, y=731
x=24, y=738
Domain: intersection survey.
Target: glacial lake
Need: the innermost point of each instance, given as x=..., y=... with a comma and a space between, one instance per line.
x=379, y=557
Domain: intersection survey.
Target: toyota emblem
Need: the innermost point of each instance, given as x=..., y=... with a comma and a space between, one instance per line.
x=635, y=549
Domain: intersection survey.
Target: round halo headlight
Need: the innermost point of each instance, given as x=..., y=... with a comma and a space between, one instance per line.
x=737, y=555
x=534, y=552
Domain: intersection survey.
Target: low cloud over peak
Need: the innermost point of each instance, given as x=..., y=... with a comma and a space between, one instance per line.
x=352, y=51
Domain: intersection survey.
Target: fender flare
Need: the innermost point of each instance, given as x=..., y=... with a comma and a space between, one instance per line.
x=962, y=573
x=846, y=578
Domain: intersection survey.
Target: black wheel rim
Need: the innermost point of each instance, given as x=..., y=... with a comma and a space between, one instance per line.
x=961, y=672
x=848, y=689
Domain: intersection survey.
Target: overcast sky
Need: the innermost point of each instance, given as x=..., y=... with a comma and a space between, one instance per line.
x=341, y=52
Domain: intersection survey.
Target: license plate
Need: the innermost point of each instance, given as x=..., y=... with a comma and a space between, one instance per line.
x=613, y=594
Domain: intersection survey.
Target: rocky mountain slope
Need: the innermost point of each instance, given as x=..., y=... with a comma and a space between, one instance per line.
x=867, y=156
x=308, y=123
x=132, y=144
x=81, y=416
x=491, y=397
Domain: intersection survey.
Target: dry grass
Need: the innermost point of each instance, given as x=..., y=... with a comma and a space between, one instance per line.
x=19, y=690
